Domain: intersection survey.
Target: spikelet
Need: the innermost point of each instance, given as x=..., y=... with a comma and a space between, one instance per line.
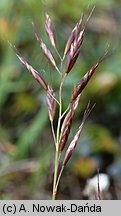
x=46, y=51
x=66, y=126
x=51, y=103
x=74, y=52
x=84, y=81
x=73, y=144
x=73, y=35
x=74, y=44
x=70, y=62
x=33, y=72
x=50, y=30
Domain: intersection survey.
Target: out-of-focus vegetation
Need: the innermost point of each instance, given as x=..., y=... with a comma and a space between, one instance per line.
x=26, y=145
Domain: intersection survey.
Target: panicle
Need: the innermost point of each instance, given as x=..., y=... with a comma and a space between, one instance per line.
x=51, y=103
x=50, y=30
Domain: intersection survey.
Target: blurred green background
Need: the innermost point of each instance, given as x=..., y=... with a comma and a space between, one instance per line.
x=26, y=144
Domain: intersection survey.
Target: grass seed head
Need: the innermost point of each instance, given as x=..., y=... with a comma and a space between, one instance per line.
x=67, y=123
x=73, y=144
x=46, y=51
x=50, y=30
x=73, y=35
x=33, y=72
x=51, y=103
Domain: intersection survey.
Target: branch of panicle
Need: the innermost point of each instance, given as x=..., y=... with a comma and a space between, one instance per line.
x=73, y=144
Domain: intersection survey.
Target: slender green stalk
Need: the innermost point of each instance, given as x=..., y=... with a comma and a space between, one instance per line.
x=57, y=155
x=58, y=180
x=57, y=143
x=55, y=175
x=58, y=54
x=53, y=132
x=60, y=112
x=55, y=99
x=58, y=70
x=65, y=112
